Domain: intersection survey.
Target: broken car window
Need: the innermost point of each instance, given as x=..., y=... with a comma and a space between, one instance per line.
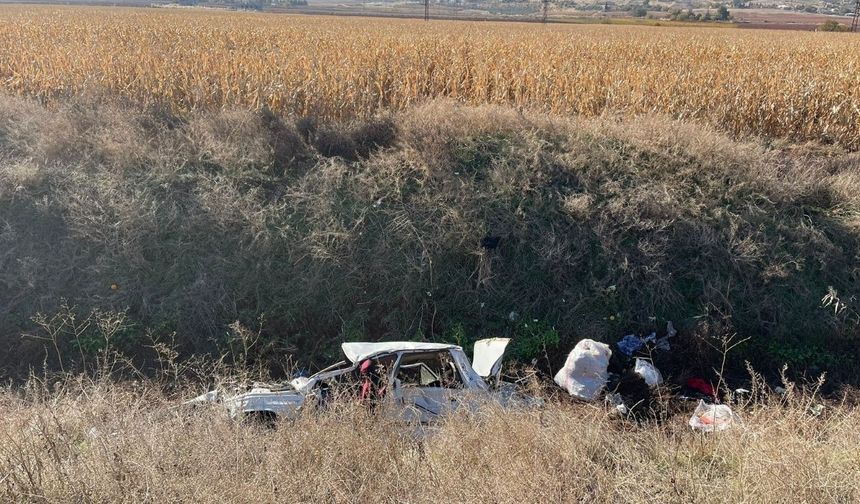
x=428, y=370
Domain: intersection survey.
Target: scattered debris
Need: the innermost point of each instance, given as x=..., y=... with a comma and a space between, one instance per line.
x=815, y=409
x=585, y=372
x=713, y=417
x=616, y=401
x=701, y=386
x=300, y=383
x=648, y=372
x=636, y=394
x=670, y=330
x=209, y=397
x=630, y=344
x=740, y=395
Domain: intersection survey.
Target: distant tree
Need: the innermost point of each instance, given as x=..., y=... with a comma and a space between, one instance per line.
x=639, y=12
x=722, y=14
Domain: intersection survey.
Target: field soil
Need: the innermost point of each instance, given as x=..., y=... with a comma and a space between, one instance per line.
x=783, y=20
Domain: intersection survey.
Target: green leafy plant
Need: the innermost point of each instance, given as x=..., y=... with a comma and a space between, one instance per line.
x=533, y=339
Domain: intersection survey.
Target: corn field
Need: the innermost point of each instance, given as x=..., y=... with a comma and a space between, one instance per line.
x=802, y=86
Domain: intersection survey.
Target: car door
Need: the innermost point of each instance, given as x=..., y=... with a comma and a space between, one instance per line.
x=487, y=357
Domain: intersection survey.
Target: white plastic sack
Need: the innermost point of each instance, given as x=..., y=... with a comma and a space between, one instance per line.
x=713, y=417
x=648, y=372
x=584, y=373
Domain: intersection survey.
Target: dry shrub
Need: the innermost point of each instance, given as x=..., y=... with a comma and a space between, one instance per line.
x=231, y=139
x=19, y=174
x=433, y=127
x=29, y=130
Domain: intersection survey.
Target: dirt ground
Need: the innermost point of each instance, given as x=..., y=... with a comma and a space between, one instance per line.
x=783, y=20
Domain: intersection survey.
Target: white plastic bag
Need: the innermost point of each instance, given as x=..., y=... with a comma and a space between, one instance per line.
x=584, y=373
x=713, y=417
x=648, y=372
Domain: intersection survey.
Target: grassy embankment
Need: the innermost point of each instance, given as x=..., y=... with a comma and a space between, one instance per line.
x=310, y=234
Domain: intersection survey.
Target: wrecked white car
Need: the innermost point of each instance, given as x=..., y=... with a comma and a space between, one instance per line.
x=418, y=382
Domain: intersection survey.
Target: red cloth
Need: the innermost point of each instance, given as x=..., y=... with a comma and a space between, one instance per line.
x=702, y=386
x=366, y=384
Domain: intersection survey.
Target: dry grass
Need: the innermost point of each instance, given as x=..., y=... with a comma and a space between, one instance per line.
x=107, y=442
x=798, y=85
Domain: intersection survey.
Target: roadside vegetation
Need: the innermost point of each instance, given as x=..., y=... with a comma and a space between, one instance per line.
x=264, y=237
x=78, y=440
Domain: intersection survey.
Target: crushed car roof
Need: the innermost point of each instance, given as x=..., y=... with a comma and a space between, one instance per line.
x=358, y=351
